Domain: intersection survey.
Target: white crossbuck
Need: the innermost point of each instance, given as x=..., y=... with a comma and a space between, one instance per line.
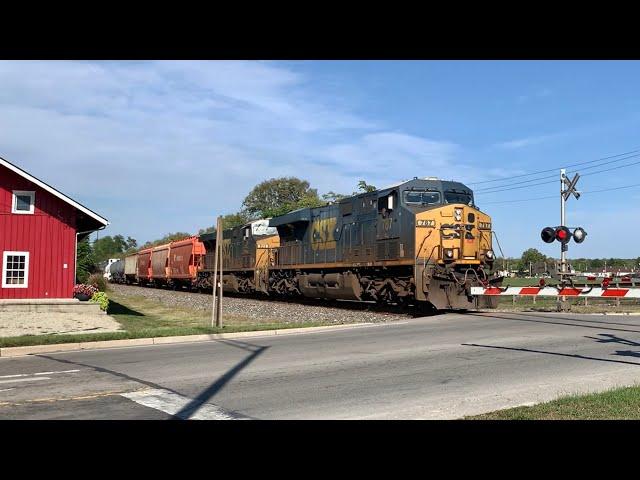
x=555, y=292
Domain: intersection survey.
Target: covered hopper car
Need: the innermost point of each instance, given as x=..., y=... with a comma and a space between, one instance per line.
x=173, y=264
x=130, y=268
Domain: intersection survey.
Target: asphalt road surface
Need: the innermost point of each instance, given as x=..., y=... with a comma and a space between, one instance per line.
x=440, y=367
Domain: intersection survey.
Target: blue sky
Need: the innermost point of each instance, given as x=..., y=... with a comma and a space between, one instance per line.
x=158, y=147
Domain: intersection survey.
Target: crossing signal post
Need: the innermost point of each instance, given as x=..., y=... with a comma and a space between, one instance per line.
x=562, y=233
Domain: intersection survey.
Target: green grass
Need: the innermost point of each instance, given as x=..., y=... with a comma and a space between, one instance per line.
x=616, y=404
x=142, y=318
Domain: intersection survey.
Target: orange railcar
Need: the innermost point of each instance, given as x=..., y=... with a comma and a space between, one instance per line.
x=184, y=258
x=160, y=264
x=143, y=266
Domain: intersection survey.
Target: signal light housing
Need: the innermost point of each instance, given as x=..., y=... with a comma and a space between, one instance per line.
x=562, y=234
x=548, y=235
x=579, y=235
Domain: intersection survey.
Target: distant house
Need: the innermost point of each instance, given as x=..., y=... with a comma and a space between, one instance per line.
x=39, y=231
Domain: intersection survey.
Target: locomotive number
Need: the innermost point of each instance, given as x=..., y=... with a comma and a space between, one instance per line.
x=426, y=223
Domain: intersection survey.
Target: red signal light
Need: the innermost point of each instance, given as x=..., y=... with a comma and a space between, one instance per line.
x=563, y=234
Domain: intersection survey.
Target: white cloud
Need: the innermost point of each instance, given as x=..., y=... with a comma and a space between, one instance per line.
x=166, y=146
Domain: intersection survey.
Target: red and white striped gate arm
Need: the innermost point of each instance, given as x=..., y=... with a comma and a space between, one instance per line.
x=554, y=292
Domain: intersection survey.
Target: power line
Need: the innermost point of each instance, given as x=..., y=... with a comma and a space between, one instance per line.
x=552, y=176
x=554, y=181
x=556, y=196
x=554, y=169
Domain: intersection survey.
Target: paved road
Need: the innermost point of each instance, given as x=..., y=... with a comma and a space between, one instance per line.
x=445, y=366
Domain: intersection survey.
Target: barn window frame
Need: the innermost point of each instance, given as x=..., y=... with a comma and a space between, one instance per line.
x=5, y=270
x=23, y=193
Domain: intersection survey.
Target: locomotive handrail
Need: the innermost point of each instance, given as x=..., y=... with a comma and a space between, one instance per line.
x=422, y=244
x=498, y=242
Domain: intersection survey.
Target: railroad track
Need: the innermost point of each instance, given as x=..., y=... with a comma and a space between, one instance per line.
x=355, y=305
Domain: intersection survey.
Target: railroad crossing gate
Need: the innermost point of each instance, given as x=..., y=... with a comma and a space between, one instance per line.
x=558, y=292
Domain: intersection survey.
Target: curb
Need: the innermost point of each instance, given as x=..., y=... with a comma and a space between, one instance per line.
x=135, y=342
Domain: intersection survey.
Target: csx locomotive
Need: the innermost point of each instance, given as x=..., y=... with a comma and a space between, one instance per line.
x=422, y=242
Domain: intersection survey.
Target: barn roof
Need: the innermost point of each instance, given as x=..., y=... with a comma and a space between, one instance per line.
x=89, y=222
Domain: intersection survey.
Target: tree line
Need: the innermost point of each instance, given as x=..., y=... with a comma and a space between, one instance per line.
x=534, y=258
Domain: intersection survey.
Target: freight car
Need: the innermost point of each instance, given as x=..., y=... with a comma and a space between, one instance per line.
x=116, y=271
x=159, y=265
x=173, y=264
x=143, y=266
x=130, y=268
x=421, y=242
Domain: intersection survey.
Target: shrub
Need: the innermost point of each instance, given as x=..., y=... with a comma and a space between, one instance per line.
x=98, y=281
x=83, y=289
x=102, y=299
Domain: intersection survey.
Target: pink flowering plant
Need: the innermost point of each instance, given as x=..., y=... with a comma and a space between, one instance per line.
x=83, y=289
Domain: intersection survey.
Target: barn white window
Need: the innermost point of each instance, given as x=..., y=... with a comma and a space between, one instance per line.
x=23, y=202
x=15, y=270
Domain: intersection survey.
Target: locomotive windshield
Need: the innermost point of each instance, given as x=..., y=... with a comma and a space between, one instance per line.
x=421, y=198
x=458, y=197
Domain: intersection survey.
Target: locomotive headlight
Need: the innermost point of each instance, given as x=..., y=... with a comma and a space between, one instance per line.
x=489, y=255
x=448, y=253
x=458, y=214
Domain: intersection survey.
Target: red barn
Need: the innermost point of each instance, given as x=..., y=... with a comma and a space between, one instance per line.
x=39, y=230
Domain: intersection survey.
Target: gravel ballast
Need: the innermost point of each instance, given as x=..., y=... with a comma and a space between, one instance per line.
x=267, y=310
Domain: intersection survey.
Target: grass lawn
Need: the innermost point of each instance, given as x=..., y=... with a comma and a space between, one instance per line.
x=142, y=318
x=617, y=404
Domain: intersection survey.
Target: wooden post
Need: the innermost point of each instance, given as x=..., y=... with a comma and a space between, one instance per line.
x=219, y=319
x=217, y=295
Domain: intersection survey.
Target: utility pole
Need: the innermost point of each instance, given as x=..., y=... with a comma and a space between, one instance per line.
x=216, y=285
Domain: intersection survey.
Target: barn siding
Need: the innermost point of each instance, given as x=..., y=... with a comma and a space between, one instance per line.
x=49, y=235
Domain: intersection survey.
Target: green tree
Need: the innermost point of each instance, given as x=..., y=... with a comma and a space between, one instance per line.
x=532, y=256
x=230, y=220
x=169, y=237
x=85, y=261
x=278, y=196
x=365, y=187
x=112, y=247
x=333, y=197
x=596, y=263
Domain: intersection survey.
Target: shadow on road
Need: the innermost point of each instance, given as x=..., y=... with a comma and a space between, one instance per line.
x=610, y=338
x=207, y=394
x=572, y=355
